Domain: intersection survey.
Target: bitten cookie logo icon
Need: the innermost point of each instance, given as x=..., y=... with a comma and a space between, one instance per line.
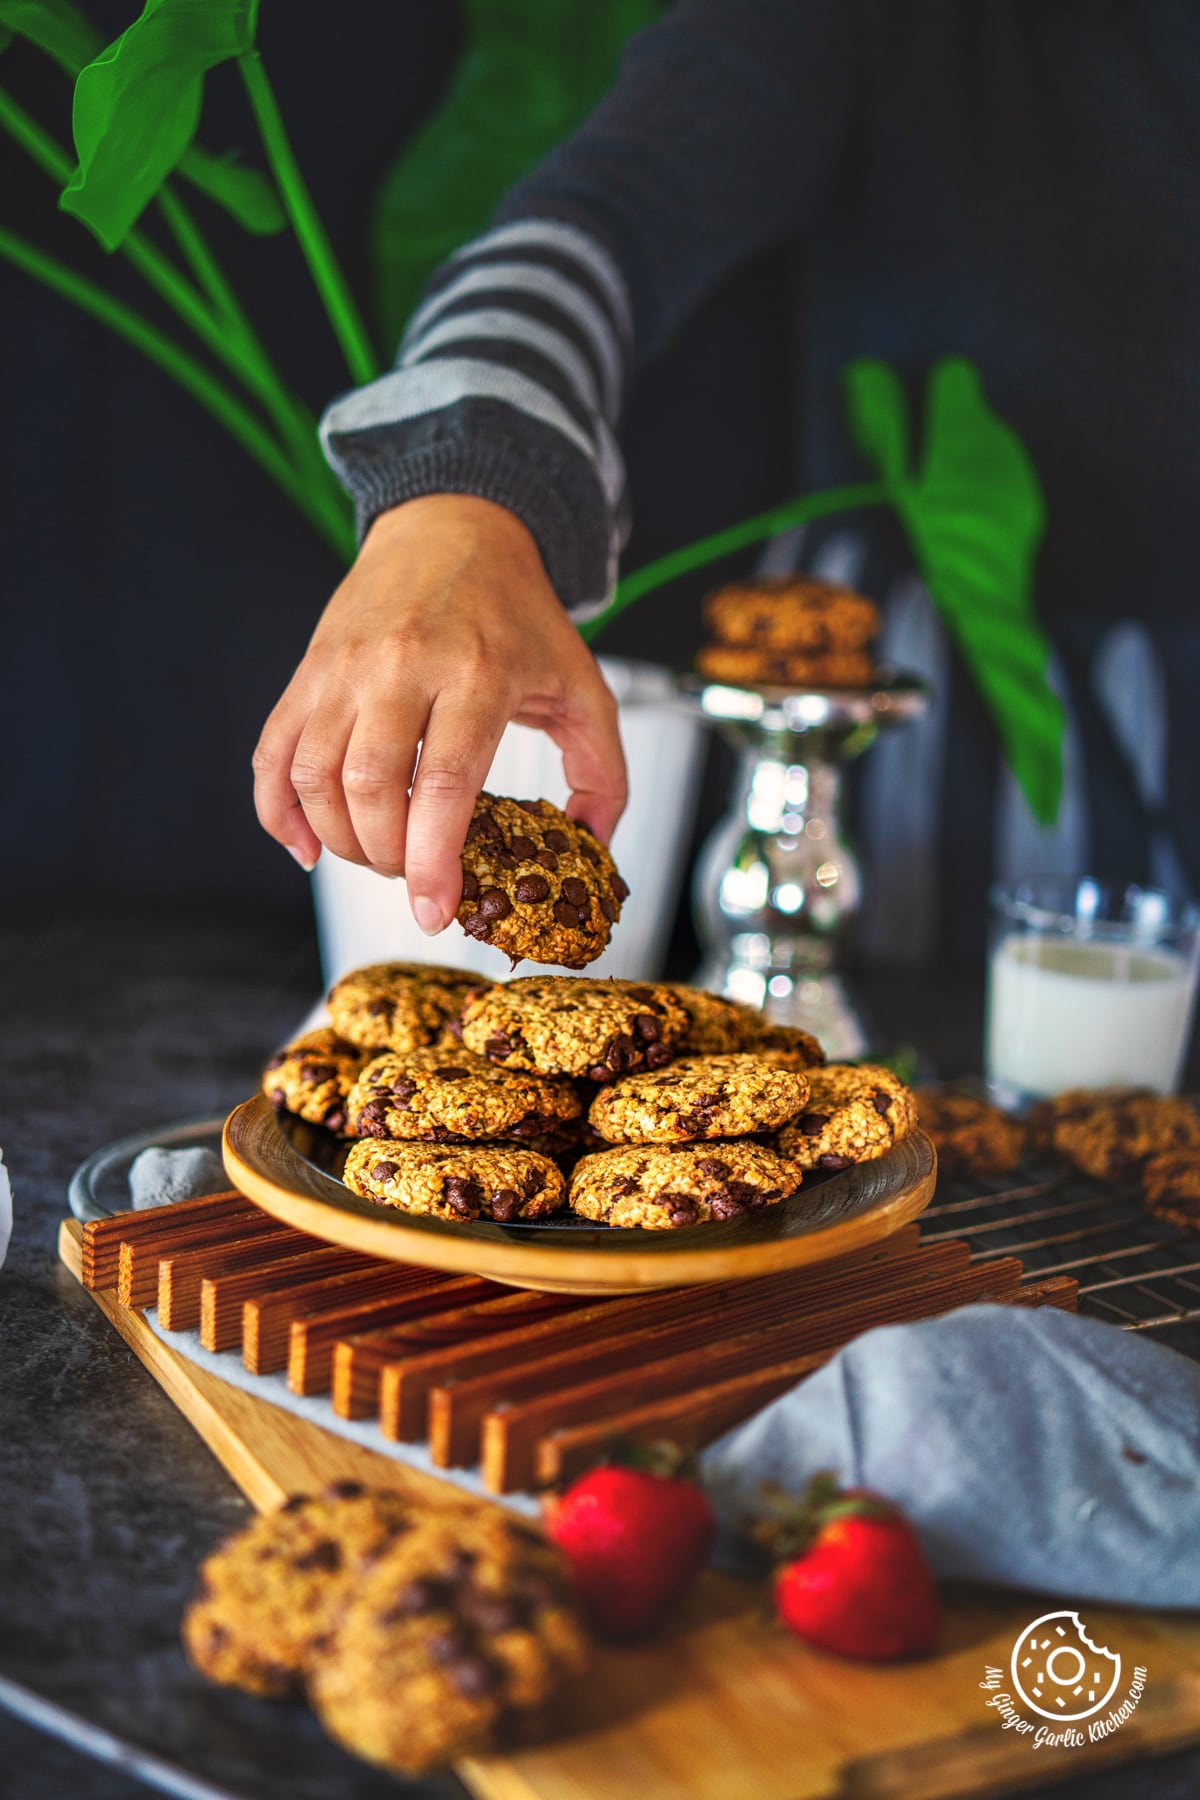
x=1059, y=1673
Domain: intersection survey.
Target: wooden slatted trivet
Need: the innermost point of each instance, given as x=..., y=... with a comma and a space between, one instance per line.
x=530, y=1385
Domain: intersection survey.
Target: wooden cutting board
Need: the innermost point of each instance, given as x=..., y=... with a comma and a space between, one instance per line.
x=725, y=1705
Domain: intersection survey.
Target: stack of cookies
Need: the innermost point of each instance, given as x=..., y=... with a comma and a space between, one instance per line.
x=790, y=631
x=419, y=1637
x=631, y=1103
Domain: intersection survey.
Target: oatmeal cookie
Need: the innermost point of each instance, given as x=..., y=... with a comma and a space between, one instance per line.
x=536, y=884
x=662, y=1188
x=268, y=1597
x=558, y=1025
x=398, y=1006
x=971, y=1136
x=699, y=1097
x=855, y=1113
x=1045, y=1116
x=474, y=1181
x=792, y=612
x=788, y=1047
x=717, y=1026
x=312, y=1077
x=1171, y=1188
x=457, y=1641
x=794, y=669
x=453, y=1096
x=1115, y=1139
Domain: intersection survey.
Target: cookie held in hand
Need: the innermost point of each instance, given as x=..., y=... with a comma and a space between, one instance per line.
x=536, y=884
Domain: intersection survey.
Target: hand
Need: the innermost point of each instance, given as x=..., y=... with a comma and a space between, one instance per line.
x=445, y=629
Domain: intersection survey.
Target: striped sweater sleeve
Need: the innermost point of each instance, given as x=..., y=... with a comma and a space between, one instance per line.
x=507, y=385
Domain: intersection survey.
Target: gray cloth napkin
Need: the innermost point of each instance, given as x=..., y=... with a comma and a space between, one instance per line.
x=159, y=1176
x=1029, y=1449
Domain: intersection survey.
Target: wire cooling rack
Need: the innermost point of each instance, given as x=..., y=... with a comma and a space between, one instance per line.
x=1133, y=1270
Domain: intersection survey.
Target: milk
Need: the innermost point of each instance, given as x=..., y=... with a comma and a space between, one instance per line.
x=1066, y=1013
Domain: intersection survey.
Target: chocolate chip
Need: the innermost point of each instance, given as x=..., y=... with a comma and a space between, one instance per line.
x=489, y=1612
x=881, y=1101
x=477, y=927
x=813, y=1124
x=294, y=1502
x=743, y=1192
x=567, y=915
x=381, y=1008
x=372, y=1120
x=622, y=1053
x=724, y=1206
x=648, y=1028
x=506, y=1205
x=656, y=1056
x=344, y=1490
x=835, y=1162
x=418, y=1597
x=531, y=890
x=601, y=1074
x=453, y=1073
x=533, y=1183
x=588, y=849
x=556, y=840
x=523, y=847
x=536, y=807
x=498, y=1047
x=548, y=860
x=505, y=859
x=493, y=904
x=484, y=826
x=278, y=1099
x=619, y=887
x=625, y=1184
x=335, y=1120
x=470, y=885
x=683, y=1215
x=713, y=1167
x=644, y=996
x=462, y=1194
x=472, y=1676
x=383, y=1171
x=575, y=891
x=326, y=1555
x=404, y=1087
x=608, y=907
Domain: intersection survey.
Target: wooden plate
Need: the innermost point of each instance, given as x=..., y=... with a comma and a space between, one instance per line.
x=826, y=1219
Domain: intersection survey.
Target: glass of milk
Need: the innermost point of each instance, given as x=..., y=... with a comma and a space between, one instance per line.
x=1090, y=984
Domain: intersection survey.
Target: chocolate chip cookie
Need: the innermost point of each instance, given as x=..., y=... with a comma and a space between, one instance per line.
x=536, y=884
x=698, y=1097
x=1171, y=1188
x=453, y=1096
x=268, y=1597
x=563, y=1026
x=788, y=1047
x=663, y=1188
x=971, y=1136
x=442, y=1181
x=717, y=1026
x=791, y=612
x=855, y=1113
x=457, y=1641
x=1114, y=1140
x=398, y=1006
x=795, y=669
x=312, y=1077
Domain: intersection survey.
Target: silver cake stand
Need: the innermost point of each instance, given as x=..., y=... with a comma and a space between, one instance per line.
x=777, y=885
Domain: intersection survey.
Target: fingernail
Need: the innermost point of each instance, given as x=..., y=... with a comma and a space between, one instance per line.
x=302, y=859
x=428, y=915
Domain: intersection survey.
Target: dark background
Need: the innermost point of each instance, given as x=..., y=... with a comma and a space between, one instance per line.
x=158, y=590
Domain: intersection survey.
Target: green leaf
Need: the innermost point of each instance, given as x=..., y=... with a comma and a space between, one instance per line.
x=877, y=413
x=137, y=106
x=974, y=515
x=532, y=71
x=56, y=27
x=248, y=195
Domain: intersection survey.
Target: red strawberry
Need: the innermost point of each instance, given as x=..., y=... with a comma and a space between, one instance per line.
x=853, y=1578
x=635, y=1541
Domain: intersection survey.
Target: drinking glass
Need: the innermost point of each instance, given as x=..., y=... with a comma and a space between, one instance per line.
x=1090, y=984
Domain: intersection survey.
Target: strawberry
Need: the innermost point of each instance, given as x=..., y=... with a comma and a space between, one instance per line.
x=635, y=1539
x=851, y=1575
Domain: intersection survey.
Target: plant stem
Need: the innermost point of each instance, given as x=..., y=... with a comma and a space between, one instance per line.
x=335, y=295
x=204, y=387
x=734, y=537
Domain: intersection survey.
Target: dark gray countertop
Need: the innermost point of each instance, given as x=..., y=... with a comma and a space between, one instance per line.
x=110, y=1024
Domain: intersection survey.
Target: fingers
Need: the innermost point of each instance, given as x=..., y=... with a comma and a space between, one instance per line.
x=316, y=776
x=376, y=776
x=459, y=745
x=593, y=759
x=275, y=799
